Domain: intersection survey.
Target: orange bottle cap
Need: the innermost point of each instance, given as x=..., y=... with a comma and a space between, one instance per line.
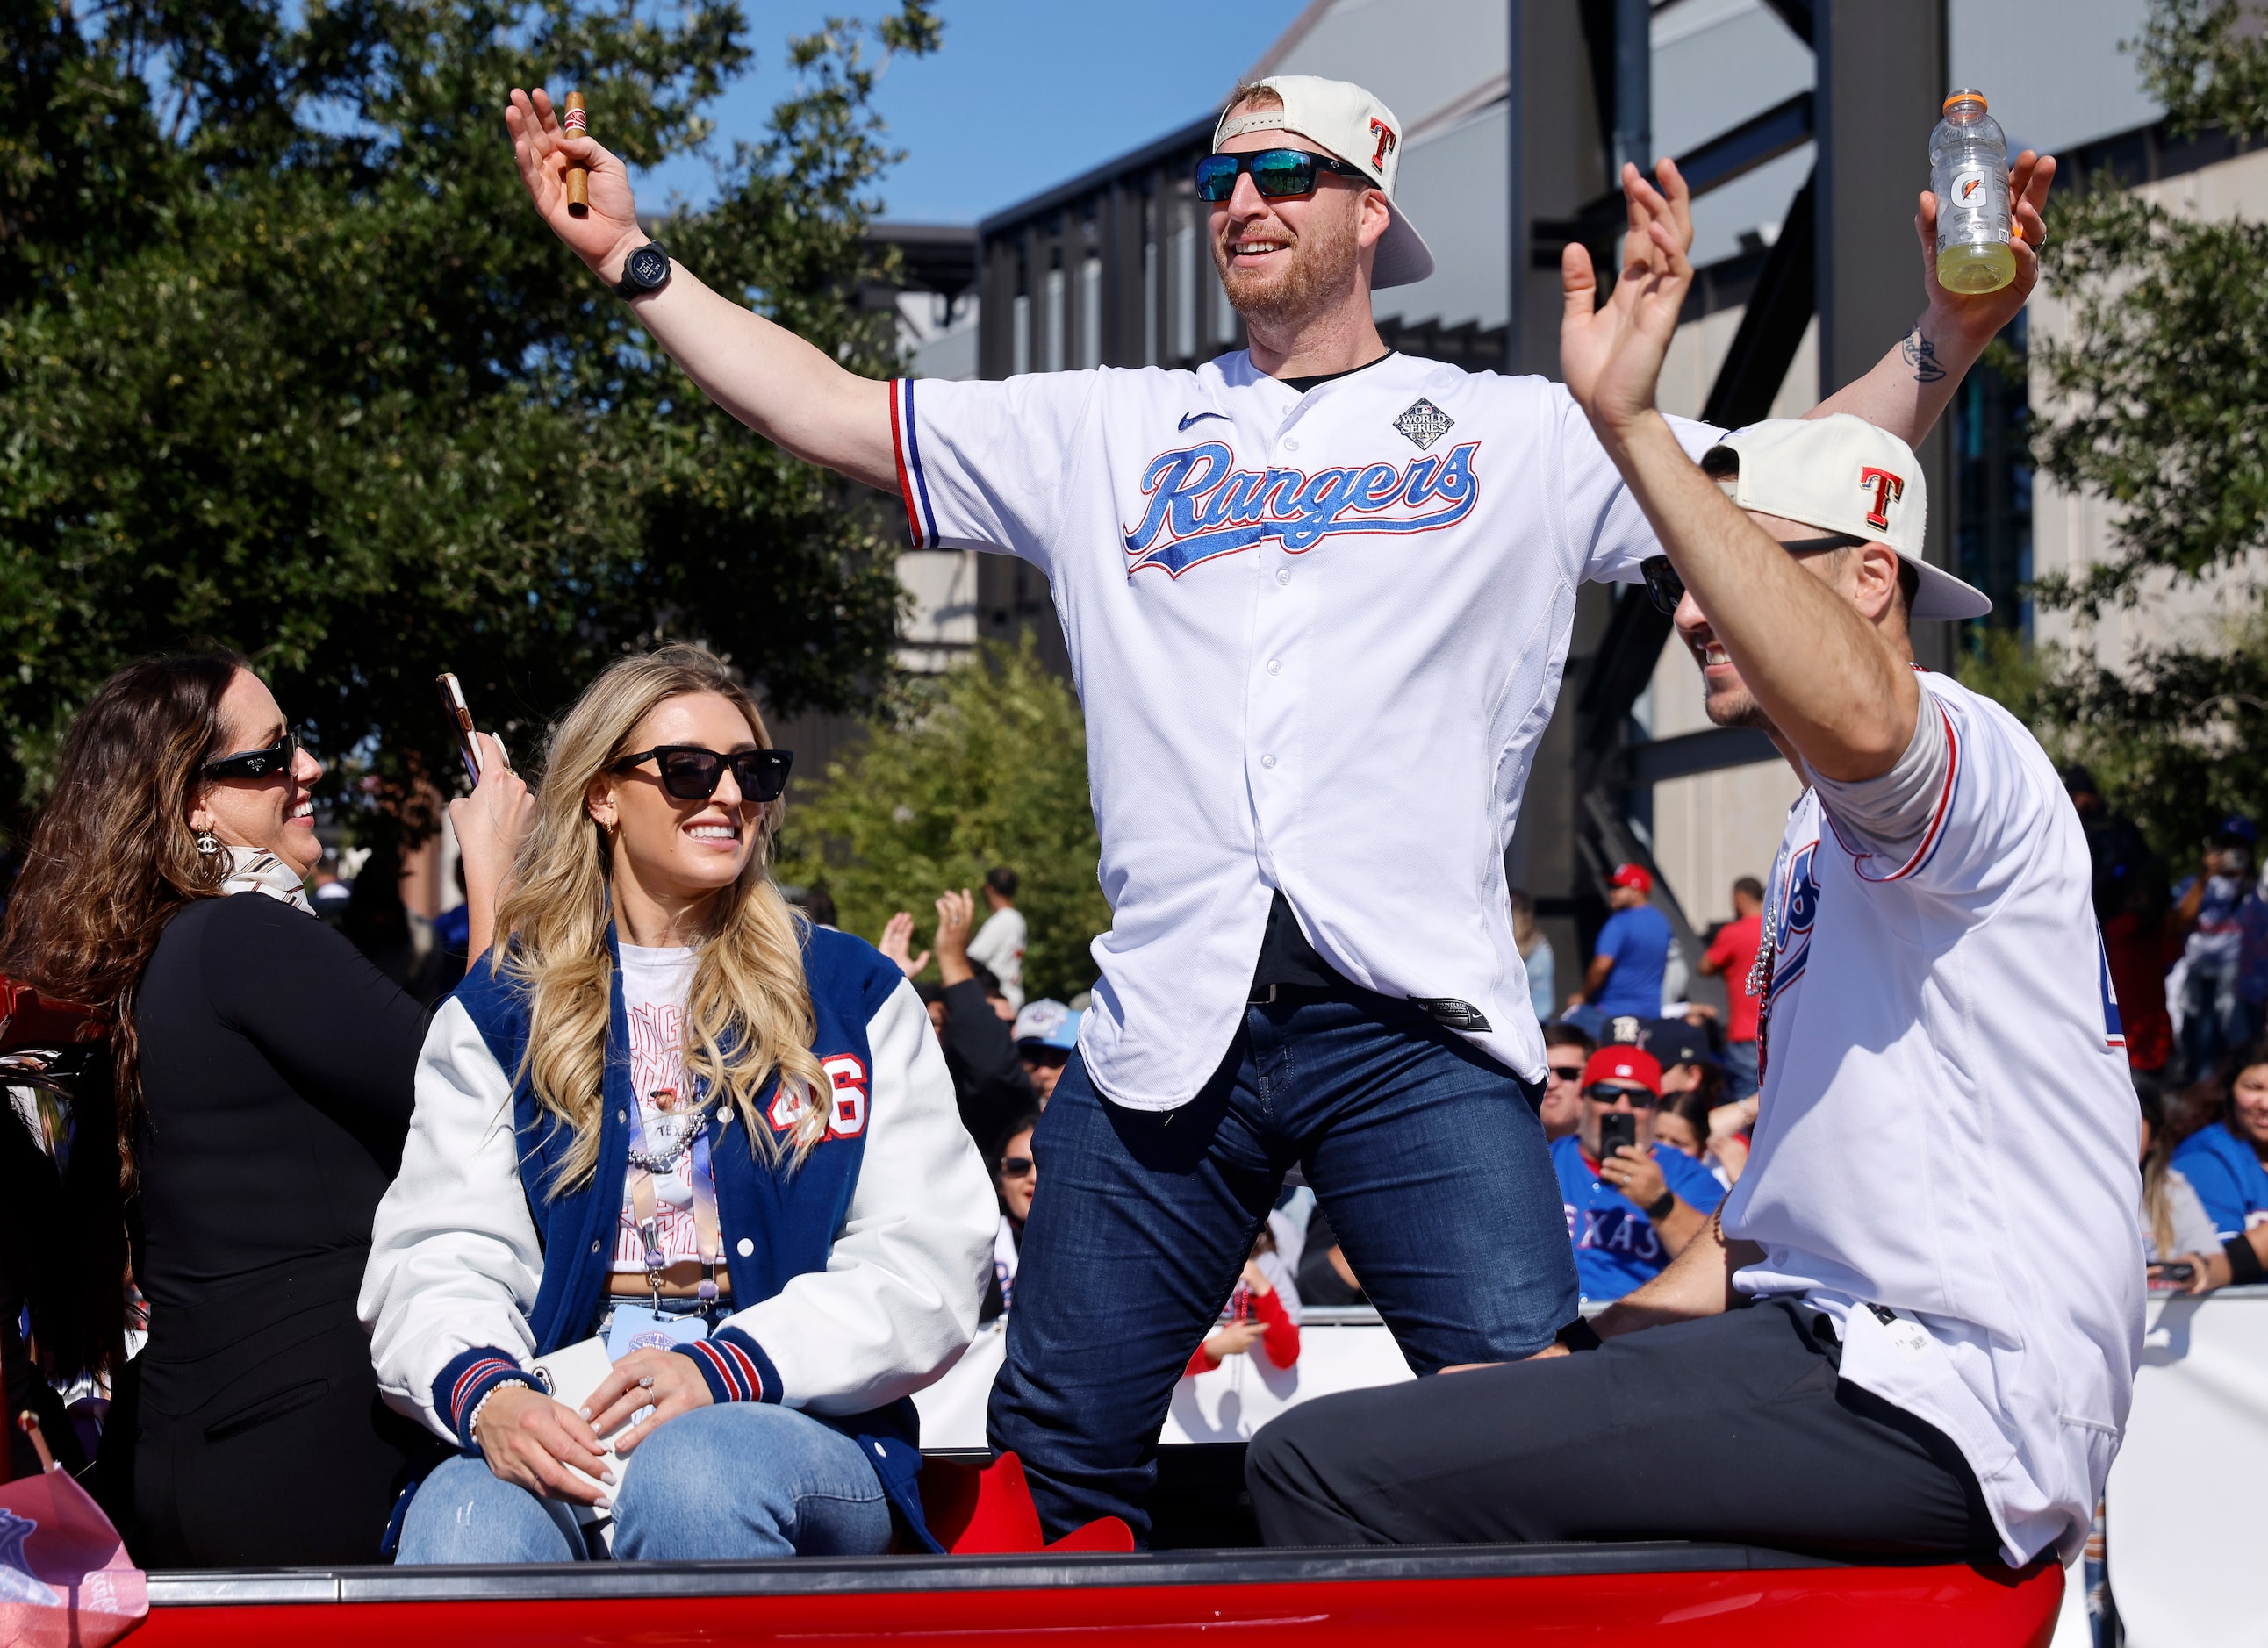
x=1978, y=98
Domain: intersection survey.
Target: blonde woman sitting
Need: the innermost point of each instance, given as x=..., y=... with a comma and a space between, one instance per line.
x=672, y=1114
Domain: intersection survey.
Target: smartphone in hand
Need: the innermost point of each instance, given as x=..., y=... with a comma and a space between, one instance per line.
x=1617, y=1127
x=460, y=718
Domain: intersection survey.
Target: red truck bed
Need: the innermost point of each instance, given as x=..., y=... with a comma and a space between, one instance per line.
x=1676, y=1595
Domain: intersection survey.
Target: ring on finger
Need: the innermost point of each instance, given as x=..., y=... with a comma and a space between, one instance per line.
x=646, y=1383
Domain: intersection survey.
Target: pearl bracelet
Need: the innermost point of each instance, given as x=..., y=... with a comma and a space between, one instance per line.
x=473, y=1424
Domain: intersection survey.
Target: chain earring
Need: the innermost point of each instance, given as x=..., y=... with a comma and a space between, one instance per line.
x=207, y=844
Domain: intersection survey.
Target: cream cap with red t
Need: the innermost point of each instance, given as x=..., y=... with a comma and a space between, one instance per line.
x=1360, y=130
x=1842, y=473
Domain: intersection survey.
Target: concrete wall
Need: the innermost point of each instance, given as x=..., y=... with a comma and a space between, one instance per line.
x=2070, y=533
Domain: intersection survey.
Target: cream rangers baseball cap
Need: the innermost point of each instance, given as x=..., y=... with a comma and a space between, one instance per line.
x=1358, y=129
x=1843, y=474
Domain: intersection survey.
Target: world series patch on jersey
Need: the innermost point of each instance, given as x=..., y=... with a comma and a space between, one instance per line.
x=1316, y=637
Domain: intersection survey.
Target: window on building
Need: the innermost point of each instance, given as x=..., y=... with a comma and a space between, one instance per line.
x=1185, y=292
x=1090, y=313
x=1055, y=321
x=1150, y=303
x=1993, y=481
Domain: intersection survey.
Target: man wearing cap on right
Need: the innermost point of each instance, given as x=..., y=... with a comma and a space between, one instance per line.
x=1913, y=1326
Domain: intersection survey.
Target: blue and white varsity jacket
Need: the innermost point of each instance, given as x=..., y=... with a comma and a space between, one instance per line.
x=859, y=1274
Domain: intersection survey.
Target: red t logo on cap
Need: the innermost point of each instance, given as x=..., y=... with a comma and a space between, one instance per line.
x=1385, y=136
x=1888, y=489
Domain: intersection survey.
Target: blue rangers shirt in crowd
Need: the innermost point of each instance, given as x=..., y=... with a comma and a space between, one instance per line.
x=1616, y=1247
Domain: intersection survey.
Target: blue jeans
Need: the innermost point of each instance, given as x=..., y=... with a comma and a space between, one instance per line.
x=1426, y=1154
x=1741, y=1076
x=730, y=1481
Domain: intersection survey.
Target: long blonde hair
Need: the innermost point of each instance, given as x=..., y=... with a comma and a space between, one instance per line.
x=748, y=992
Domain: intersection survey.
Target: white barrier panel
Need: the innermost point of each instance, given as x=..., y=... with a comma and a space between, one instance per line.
x=1226, y=1405
x=2184, y=1504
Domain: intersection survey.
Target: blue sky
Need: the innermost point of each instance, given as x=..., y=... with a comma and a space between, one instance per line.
x=1024, y=93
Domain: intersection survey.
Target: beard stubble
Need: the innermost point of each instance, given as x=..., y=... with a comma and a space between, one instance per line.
x=1319, y=268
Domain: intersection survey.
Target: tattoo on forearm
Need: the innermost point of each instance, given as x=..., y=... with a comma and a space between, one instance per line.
x=1921, y=354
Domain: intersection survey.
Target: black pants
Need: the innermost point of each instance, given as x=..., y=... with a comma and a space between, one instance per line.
x=1735, y=1427
x=254, y=1430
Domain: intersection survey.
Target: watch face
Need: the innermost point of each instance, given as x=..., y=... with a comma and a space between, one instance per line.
x=649, y=266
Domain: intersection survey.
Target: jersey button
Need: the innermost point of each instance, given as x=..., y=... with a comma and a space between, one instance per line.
x=1275, y=666
x=1268, y=762
x=1283, y=575
x=1291, y=445
x=746, y=1247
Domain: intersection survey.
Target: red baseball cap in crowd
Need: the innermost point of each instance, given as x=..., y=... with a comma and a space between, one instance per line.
x=1624, y=1064
x=1631, y=875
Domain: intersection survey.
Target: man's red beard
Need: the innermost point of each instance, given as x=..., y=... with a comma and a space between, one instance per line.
x=1304, y=278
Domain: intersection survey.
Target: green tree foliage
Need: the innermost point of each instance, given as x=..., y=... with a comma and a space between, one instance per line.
x=287, y=363
x=2161, y=407
x=983, y=765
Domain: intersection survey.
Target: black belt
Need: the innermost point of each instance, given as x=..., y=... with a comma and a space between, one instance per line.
x=1279, y=995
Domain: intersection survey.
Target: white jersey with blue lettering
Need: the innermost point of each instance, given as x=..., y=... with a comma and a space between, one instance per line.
x=1316, y=637
x=1944, y=1158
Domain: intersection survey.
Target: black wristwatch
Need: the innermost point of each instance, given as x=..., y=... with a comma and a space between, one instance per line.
x=646, y=270
x=1659, y=1210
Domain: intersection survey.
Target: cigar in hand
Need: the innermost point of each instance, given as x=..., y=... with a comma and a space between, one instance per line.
x=575, y=123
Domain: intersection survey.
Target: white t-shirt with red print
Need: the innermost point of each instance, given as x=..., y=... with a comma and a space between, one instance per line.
x=655, y=985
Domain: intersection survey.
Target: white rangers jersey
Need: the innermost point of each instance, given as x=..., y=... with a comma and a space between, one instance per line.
x=1316, y=638
x=1944, y=1159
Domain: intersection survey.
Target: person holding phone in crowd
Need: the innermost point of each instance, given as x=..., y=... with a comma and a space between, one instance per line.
x=258, y=1096
x=667, y=1108
x=1632, y=1204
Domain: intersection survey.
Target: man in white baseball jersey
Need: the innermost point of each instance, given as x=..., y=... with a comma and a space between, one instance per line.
x=1914, y=1325
x=1317, y=597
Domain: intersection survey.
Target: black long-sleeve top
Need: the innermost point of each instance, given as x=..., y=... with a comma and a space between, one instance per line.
x=277, y=1069
x=987, y=1078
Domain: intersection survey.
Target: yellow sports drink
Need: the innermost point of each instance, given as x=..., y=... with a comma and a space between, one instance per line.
x=1968, y=173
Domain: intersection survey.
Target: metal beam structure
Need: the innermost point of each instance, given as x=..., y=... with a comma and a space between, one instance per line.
x=1844, y=252
x=1882, y=67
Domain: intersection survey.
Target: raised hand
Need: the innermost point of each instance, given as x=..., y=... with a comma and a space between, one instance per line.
x=1611, y=354
x=490, y=824
x=1979, y=315
x=609, y=232
x=898, y=942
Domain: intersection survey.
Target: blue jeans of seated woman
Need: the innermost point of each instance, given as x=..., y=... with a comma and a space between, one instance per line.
x=730, y=1481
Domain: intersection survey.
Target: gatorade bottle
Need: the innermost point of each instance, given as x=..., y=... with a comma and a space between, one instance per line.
x=1968, y=171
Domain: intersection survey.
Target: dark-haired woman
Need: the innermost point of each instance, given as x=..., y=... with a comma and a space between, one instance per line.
x=262, y=1074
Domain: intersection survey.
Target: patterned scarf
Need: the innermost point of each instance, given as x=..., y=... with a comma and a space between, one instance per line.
x=252, y=870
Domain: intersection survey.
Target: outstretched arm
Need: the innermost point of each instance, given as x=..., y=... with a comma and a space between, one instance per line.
x=1909, y=389
x=762, y=374
x=1829, y=682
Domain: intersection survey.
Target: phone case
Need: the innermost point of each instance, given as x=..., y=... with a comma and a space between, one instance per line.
x=571, y=1373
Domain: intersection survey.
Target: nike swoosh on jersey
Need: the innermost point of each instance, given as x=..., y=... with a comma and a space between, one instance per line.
x=1189, y=418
